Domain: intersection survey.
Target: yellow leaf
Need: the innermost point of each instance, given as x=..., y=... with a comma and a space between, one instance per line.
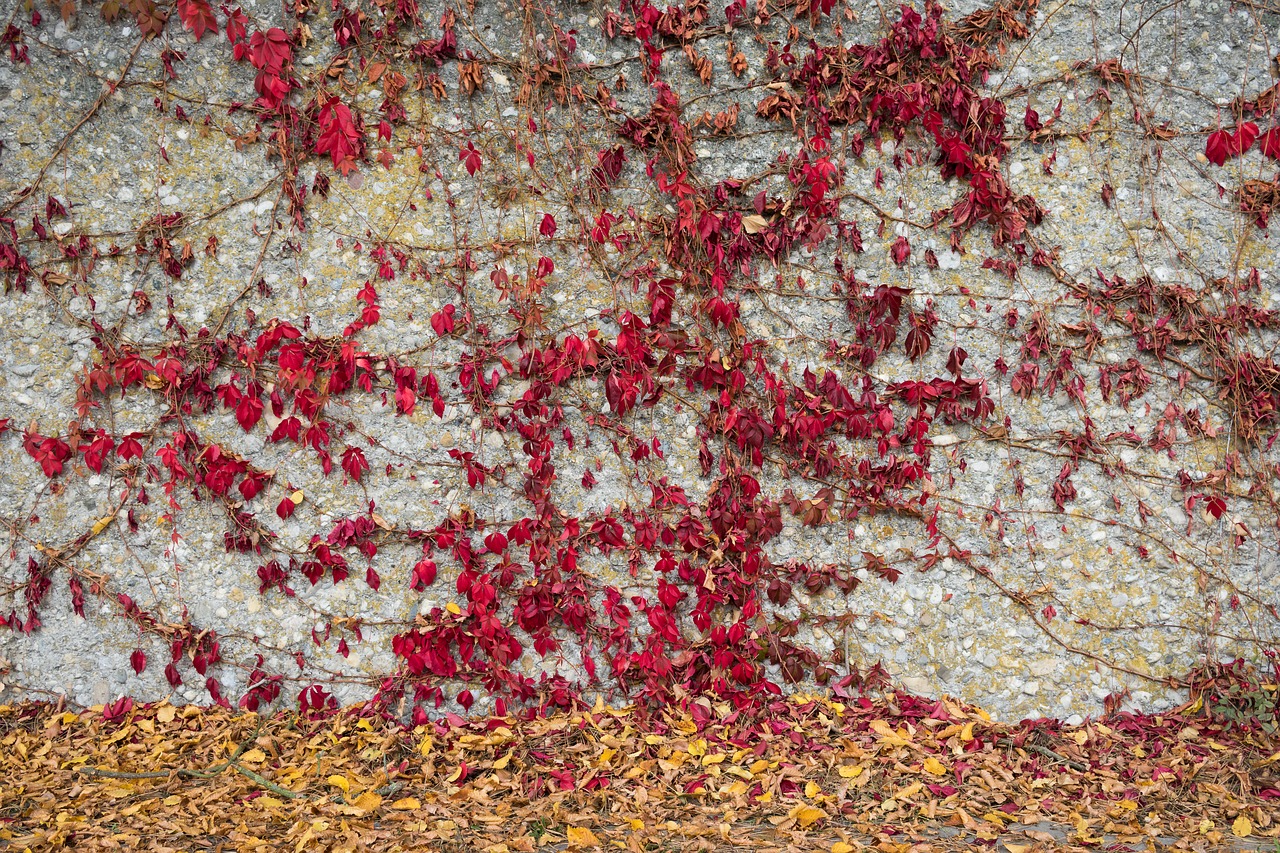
x=759, y=765
x=582, y=837
x=850, y=771
x=339, y=782
x=501, y=763
x=909, y=791
x=811, y=789
x=716, y=758
x=172, y=800
x=257, y=756
x=654, y=740
x=455, y=775
x=934, y=766
x=1241, y=827
x=407, y=804
x=297, y=497
x=842, y=847
x=368, y=801
x=886, y=732
x=1016, y=848
x=807, y=816
x=1128, y=805
x=635, y=824
x=698, y=747
x=453, y=608
x=165, y=713
x=315, y=827
x=102, y=524
x=966, y=734
x=267, y=802
x=424, y=748
x=605, y=757
x=1205, y=826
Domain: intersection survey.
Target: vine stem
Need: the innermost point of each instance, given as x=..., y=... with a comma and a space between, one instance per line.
x=25, y=192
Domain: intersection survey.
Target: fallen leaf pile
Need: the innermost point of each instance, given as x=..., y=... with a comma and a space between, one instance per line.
x=895, y=774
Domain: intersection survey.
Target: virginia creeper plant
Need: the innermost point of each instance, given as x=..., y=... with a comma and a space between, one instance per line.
x=652, y=370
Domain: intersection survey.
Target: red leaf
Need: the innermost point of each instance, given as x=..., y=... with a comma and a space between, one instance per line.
x=548, y=227
x=1270, y=143
x=424, y=574
x=406, y=399
x=138, y=660
x=95, y=454
x=901, y=251
x=354, y=463
x=252, y=484
x=1216, y=507
x=236, y=22
x=917, y=343
x=270, y=51
x=442, y=321
x=1218, y=147
x=1031, y=119
x=117, y=709
x=49, y=452
x=1222, y=145
x=129, y=447
x=248, y=411
x=470, y=158
x=290, y=428
x=339, y=137
x=197, y=16
x=286, y=508
x=1244, y=138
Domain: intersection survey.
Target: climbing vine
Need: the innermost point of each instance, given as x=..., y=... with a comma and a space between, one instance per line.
x=676, y=589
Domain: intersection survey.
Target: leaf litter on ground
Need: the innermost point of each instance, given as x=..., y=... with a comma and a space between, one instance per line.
x=897, y=773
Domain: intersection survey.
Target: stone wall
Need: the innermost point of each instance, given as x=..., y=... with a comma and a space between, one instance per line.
x=1106, y=526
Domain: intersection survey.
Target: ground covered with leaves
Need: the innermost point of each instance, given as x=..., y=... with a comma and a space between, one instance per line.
x=896, y=773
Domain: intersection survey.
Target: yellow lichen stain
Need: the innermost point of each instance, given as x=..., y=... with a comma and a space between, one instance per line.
x=1255, y=253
